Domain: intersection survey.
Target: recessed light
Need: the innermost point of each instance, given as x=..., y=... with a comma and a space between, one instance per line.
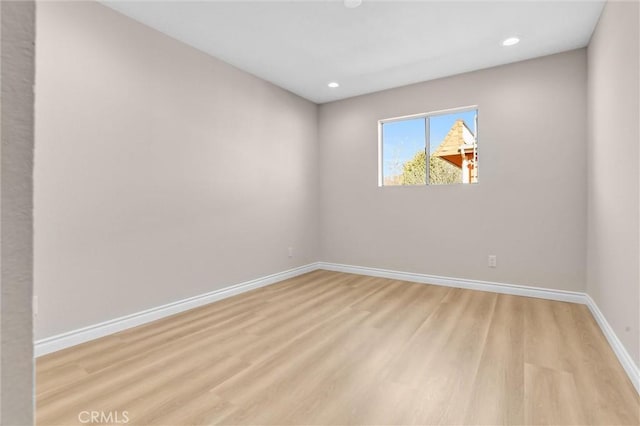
x=352, y=4
x=333, y=85
x=511, y=41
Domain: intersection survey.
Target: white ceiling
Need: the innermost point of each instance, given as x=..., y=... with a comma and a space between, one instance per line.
x=303, y=45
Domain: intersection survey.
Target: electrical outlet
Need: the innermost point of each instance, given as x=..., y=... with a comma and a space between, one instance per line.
x=493, y=261
x=290, y=251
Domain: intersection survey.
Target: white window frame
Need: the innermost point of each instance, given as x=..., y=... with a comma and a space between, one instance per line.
x=426, y=116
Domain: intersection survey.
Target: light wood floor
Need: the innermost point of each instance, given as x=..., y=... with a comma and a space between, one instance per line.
x=329, y=348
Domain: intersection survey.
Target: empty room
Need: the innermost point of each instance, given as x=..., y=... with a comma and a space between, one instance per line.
x=320, y=213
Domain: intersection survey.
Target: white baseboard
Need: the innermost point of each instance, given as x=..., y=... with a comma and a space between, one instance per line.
x=75, y=337
x=85, y=334
x=618, y=348
x=519, y=290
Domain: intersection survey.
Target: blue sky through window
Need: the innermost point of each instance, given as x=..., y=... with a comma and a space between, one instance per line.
x=403, y=139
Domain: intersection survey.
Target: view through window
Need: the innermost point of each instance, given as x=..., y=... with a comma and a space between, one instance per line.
x=448, y=140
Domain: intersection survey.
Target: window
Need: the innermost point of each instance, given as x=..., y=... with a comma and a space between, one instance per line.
x=449, y=140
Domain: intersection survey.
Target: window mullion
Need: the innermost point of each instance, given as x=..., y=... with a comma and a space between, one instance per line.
x=426, y=149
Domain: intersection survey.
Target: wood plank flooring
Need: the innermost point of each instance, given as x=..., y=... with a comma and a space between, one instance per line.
x=329, y=348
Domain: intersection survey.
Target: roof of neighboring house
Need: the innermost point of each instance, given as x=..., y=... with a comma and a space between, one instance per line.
x=449, y=149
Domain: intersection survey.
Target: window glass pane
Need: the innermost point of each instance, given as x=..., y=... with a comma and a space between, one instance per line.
x=403, y=152
x=453, y=148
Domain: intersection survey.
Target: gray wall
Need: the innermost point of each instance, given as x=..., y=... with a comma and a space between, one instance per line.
x=613, y=180
x=528, y=209
x=17, y=34
x=161, y=173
